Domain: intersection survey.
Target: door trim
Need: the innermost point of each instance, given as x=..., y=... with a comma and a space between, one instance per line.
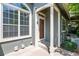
x=36, y=20
x=43, y=18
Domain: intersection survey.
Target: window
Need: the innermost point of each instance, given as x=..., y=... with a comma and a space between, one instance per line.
x=24, y=23
x=20, y=5
x=11, y=22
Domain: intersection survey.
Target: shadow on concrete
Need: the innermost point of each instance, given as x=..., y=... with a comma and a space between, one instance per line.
x=46, y=45
x=1, y=51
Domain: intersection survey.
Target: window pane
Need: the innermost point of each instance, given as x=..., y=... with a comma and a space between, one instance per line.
x=10, y=22
x=24, y=18
x=5, y=34
x=5, y=28
x=5, y=14
x=10, y=15
x=16, y=12
x=16, y=16
x=16, y=22
x=24, y=30
x=10, y=34
x=10, y=11
x=5, y=20
x=5, y=8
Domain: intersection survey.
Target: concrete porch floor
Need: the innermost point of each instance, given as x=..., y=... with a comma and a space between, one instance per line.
x=42, y=50
x=31, y=51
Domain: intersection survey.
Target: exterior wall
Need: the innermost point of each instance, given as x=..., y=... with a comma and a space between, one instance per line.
x=55, y=28
x=8, y=46
x=35, y=6
x=38, y=5
x=47, y=33
x=61, y=29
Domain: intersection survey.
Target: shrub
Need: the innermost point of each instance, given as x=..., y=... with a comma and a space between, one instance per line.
x=70, y=46
x=77, y=33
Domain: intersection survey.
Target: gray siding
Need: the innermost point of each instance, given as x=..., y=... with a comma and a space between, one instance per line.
x=47, y=33
x=37, y=5
x=8, y=47
x=55, y=28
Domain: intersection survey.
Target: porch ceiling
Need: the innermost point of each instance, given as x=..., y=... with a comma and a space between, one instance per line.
x=73, y=9
x=63, y=10
x=45, y=10
x=74, y=18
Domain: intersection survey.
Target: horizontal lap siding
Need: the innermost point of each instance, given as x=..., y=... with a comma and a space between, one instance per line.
x=8, y=47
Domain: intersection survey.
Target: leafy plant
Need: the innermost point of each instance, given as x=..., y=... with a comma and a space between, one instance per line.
x=77, y=33
x=73, y=6
x=68, y=45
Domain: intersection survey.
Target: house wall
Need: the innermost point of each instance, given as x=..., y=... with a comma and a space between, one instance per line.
x=8, y=46
x=55, y=28
x=47, y=24
x=38, y=5
x=61, y=29
x=35, y=6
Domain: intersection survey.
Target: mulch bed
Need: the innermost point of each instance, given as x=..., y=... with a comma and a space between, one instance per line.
x=66, y=53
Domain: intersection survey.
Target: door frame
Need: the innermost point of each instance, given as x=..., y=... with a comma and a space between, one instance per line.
x=36, y=22
x=43, y=18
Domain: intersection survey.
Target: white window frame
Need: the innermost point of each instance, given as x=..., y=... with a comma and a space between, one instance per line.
x=18, y=37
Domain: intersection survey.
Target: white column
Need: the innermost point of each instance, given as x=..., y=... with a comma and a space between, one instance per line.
x=1, y=22
x=19, y=23
x=51, y=29
x=59, y=29
x=36, y=30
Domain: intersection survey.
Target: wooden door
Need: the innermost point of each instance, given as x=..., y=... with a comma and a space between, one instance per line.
x=41, y=28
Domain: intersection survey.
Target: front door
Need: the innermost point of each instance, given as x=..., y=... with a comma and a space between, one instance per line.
x=41, y=28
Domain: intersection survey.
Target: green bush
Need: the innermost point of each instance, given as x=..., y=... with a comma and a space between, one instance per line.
x=67, y=40
x=70, y=46
x=77, y=33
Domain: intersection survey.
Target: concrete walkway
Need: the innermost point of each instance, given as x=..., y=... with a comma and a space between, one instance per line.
x=42, y=50
x=30, y=51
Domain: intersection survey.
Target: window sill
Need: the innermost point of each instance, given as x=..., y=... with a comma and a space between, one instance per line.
x=14, y=38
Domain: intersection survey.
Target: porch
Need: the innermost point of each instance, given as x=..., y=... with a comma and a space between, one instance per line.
x=54, y=27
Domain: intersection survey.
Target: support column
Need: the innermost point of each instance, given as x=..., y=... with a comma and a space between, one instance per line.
x=51, y=30
x=59, y=29
x=1, y=22
x=36, y=30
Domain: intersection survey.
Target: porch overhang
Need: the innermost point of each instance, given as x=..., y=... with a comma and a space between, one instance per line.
x=63, y=10
x=74, y=18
